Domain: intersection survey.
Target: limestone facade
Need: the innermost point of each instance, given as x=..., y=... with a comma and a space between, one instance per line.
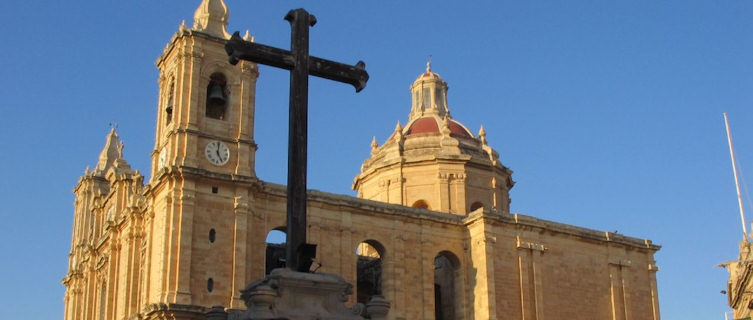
x=740, y=286
x=433, y=202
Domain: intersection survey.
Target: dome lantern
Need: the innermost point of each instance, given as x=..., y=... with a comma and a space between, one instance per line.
x=429, y=95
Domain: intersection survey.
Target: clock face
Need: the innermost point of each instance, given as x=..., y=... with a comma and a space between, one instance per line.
x=217, y=153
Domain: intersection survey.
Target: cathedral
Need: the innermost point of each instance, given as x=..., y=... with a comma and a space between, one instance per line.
x=430, y=230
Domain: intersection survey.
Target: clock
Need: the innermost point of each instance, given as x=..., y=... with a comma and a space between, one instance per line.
x=217, y=153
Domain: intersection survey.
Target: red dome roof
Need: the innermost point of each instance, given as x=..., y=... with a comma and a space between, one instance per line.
x=431, y=125
x=423, y=125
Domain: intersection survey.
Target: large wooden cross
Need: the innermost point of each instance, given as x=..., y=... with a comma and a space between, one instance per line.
x=301, y=65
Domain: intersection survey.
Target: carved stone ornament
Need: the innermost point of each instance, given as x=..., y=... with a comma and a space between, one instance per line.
x=287, y=294
x=377, y=308
x=101, y=261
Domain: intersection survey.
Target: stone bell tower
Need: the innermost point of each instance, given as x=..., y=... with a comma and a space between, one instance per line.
x=206, y=107
x=434, y=161
x=202, y=167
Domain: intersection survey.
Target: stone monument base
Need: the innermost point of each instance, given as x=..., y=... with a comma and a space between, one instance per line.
x=291, y=295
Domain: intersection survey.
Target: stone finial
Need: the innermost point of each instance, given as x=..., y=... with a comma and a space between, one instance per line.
x=211, y=18
x=377, y=308
x=182, y=27
x=112, y=154
x=445, y=126
x=216, y=313
x=248, y=37
x=398, y=131
x=110, y=151
x=482, y=135
x=374, y=146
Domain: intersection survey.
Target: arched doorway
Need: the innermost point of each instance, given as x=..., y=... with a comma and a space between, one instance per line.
x=446, y=290
x=275, y=252
x=369, y=270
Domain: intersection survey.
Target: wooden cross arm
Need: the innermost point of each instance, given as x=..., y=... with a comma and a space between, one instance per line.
x=238, y=49
x=354, y=75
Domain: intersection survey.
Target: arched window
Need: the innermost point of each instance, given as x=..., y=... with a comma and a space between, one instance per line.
x=369, y=270
x=217, y=96
x=275, y=254
x=446, y=291
x=421, y=204
x=476, y=205
x=170, y=102
x=212, y=235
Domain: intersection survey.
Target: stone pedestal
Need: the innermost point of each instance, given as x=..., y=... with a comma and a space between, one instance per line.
x=286, y=294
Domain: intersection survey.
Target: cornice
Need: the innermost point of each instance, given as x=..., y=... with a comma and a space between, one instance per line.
x=185, y=33
x=551, y=226
x=206, y=135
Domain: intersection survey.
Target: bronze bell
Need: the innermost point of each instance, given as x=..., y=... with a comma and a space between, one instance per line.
x=216, y=94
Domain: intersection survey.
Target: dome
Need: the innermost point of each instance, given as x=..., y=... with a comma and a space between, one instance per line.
x=429, y=75
x=434, y=160
x=432, y=124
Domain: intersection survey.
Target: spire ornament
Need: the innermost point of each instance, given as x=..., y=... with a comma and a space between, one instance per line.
x=398, y=131
x=248, y=36
x=374, y=146
x=211, y=18
x=445, y=126
x=482, y=135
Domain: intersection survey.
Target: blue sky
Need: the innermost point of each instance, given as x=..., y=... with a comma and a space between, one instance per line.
x=608, y=112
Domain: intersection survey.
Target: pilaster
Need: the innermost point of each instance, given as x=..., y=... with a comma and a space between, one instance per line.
x=444, y=192
x=347, y=250
x=531, y=291
x=186, y=209
x=482, y=245
x=246, y=145
x=394, y=272
x=428, y=252
x=240, y=249
x=619, y=289
x=652, y=269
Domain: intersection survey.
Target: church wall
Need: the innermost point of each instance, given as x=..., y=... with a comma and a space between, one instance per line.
x=409, y=244
x=510, y=265
x=212, y=260
x=543, y=273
